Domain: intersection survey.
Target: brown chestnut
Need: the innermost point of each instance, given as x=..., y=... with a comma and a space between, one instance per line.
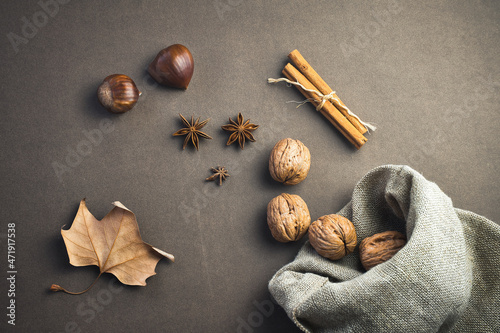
x=173, y=66
x=118, y=93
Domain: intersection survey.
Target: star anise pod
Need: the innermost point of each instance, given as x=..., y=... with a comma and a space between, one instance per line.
x=219, y=172
x=241, y=131
x=192, y=131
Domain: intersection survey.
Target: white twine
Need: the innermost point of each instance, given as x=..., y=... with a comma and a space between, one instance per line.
x=329, y=97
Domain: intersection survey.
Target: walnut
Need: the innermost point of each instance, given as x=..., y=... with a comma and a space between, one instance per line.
x=332, y=236
x=289, y=162
x=288, y=217
x=380, y=247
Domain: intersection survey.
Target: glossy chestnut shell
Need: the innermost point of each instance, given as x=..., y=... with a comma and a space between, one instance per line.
x=173, y=66
x=118, y=93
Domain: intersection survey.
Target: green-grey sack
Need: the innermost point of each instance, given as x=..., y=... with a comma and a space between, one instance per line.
x=445, y=279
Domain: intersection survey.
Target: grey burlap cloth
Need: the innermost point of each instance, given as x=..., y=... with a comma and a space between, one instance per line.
x=445, y=279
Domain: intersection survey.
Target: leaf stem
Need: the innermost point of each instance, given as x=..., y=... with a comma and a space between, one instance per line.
x=56, y=287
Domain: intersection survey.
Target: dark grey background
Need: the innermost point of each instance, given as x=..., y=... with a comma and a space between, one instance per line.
x=426, y=72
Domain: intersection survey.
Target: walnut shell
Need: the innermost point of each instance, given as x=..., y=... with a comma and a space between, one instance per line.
x=288, y=217
x=289, y=162
x=333, y=236
x=380, y=247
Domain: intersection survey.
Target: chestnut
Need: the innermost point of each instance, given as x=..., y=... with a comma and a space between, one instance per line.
x=118, y=93
x=173, y=67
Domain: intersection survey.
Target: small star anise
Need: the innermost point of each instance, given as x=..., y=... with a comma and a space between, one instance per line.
x=192, y=131
x=219, y=172
x=241, y=131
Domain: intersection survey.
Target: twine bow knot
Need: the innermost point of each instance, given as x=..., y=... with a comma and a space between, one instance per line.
x=325, y=98
x=331, y=97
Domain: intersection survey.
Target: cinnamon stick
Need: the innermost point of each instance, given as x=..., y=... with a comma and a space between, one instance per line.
x=328, y=110
x=309, y=72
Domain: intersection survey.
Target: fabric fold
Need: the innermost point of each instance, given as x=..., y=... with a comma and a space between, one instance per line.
x=436, y=283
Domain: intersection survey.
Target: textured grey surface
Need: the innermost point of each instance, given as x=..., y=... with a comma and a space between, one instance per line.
x=427, y=73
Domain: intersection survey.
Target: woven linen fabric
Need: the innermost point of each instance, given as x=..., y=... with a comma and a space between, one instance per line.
x=445, y=279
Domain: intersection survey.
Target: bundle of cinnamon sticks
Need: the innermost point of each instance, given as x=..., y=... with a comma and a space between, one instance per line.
x=331, y=106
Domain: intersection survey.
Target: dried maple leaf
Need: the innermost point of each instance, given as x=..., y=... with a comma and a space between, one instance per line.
x=114, y=244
